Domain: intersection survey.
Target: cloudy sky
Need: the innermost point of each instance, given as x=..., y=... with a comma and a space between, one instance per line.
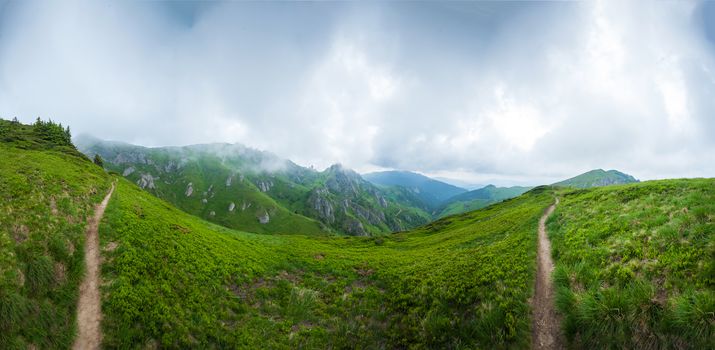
x=503, y=91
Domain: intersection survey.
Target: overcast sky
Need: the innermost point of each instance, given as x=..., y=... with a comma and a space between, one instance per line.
x=487, y=91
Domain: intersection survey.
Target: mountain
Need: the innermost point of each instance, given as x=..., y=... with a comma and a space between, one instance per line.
x=478, y=199
x=597, y=178
x=638, y=254
x=430, y=191
x=239, y=187
x=467, y=185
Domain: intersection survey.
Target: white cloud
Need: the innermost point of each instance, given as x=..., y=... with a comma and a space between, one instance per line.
x=482, y=90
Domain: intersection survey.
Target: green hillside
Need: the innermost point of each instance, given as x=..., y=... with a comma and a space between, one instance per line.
x=47, y=191
x=204, y=184
x=597, y=178
x=478, y=199
x=635, y=265
x=462, y=281
x=242, y=188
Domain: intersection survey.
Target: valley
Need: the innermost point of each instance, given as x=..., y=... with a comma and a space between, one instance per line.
x=623, y=255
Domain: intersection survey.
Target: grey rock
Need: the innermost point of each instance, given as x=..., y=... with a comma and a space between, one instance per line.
x=264, y=186
x=128, y=171
x=189, y=189
x=146, y=181
x=231, y=206
x=265, y=218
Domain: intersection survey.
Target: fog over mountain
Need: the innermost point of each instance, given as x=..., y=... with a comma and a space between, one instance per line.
x=520, y=93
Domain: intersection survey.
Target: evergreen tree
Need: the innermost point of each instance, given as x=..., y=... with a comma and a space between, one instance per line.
x=98, y=160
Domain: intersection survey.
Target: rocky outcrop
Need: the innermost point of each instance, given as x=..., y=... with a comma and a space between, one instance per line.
x=189, y=189
x=264, y=218
x=264, y=186
x=231, y=206
x=343, y=181
x=129, y=158
x=381, y=200
x=319, y=202
x=372, y=217
x=354, y=227
x=146, y=181
x=173, y=165
x=229, y=179
x=128, y=171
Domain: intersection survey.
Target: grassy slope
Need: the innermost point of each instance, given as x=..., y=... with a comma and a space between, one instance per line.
x=635, y=264
x=45, y=197
x=209, y=172
x=178, y=281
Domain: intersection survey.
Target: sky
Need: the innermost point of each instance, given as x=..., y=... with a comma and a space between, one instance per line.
x=502, y=92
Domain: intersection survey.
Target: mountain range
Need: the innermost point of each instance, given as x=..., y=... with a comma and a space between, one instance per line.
x=247, y=189
x=430, y=191
x=243, y=188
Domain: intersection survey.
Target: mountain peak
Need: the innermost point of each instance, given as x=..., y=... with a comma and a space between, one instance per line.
x=597, y=178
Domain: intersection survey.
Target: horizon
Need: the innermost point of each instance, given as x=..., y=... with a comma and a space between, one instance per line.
x=516, y=93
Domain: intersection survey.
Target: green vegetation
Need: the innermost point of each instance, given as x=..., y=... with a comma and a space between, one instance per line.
x=45, y=197
x=176, y=281
x=597, y=178
x=635, y=265
x=246, y=189
x=478, y=199
x=41, y=135
x=98, y=160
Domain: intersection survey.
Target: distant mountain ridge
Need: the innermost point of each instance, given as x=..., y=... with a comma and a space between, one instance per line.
x=597, y=178
x=478, y=199
x=432, y=192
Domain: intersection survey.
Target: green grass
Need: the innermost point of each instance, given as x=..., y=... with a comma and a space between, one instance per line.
x=635, y=265
x=176, y=281
x=45, y=197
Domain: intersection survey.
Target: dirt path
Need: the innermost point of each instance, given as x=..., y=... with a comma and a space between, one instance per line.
x=89, y=312
x=546, y=333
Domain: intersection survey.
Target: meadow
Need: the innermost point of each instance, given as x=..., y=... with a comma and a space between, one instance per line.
x=172, y=280
x=635, y=265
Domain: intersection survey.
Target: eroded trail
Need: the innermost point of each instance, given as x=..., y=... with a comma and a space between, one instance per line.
x=546, y=333
x=89, y=312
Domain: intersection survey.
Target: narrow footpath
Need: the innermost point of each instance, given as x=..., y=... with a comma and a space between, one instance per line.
x=546, y=330
x=89, y=312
